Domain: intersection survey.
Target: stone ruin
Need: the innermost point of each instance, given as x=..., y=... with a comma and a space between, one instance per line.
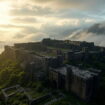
x=17, y=89
x=83, y=83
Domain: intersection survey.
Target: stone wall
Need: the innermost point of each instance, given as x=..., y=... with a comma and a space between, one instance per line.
x=84, y=86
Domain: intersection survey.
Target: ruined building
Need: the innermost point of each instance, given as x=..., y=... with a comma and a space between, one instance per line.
x=83, y=83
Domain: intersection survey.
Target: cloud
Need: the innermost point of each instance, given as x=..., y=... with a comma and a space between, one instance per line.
x=96, y=34
x=11, y=26
x=46, y=30
x=31, y=20
x=79, y=4
x=6, y=36
x=56, y=31
x=24, y=37
x=31, y=10
x=26, y=20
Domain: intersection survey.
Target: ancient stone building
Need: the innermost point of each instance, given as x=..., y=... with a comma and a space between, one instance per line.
x=82, y=83
x=85, y=55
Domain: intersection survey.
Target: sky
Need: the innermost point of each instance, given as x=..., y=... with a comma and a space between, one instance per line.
x=33, y=20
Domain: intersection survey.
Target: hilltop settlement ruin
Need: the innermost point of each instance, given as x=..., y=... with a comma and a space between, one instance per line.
x=63, y=62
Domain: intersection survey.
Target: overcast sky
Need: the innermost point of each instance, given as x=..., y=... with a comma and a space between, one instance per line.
x=32, y=20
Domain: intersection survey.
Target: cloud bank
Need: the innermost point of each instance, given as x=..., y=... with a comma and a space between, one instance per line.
x=32, y=20
x=96, y=34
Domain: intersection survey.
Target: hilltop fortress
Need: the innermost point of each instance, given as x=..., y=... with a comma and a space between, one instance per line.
x=62, y=63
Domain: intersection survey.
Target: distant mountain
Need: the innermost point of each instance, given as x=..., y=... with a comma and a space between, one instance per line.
x=95, y=33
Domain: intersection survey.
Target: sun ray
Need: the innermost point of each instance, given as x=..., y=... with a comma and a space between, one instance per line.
x=5, y=8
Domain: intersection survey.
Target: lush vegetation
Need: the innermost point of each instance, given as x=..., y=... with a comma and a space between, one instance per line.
x=10, y=73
